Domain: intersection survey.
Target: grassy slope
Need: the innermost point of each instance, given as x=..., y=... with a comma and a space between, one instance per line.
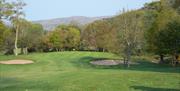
x=71, y=71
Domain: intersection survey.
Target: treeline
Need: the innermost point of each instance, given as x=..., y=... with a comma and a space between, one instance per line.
x=29, y=37
x=155, y=28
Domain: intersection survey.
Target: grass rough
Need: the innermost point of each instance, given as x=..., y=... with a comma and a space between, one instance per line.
x=71, y=71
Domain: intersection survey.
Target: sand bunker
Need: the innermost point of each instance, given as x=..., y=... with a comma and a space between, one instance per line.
x=105, y=62
x=109, y=62
x=17, y=62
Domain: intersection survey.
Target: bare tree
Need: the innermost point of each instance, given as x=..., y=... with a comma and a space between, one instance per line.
x=130, y=32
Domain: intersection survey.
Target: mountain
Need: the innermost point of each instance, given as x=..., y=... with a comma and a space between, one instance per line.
x=52, y=23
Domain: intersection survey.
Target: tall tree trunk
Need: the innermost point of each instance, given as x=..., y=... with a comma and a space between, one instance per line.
x=177, y=57
x=124, y=61
x=16, y=41
x=103, y=50
x=128, y=60
x=128, y=57
x=161, y=58
x=56, y=49
x=173, y=60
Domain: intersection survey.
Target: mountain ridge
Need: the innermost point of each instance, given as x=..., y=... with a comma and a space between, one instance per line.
x=50, y=24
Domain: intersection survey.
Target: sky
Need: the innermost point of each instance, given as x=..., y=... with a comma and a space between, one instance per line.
x=49, y=9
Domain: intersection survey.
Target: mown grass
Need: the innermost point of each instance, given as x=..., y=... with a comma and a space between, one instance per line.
x=71, y=71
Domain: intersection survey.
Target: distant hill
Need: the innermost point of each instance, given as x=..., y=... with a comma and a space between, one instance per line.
x=52, y=23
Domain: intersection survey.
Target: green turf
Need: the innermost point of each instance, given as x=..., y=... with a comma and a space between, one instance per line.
x=71, y=71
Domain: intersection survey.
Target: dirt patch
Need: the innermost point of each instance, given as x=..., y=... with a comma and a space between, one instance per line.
x=109, y=62
x=17, y=62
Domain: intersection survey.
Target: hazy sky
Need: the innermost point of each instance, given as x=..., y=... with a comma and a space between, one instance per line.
x=48, y=9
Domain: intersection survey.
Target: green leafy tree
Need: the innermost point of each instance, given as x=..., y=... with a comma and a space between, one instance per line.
x=175, y=4
x=161, y=18
x=100, y=36
x=64, y=37
x=89, y=37
x=6, y=39
x=34, y=37
x=106, y=36
x=30, y=36
x=55, y=40
x=168, y=39
x=2, y=30
x=8, y=44
x=73, y=38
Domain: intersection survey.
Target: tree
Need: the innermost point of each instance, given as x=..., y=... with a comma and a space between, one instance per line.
x=70, y=36
x=55, y=40
x=100, y=36
x=17, y=22
x=6, y=9
x=8, y=44
x=11, y=11
x=64, y=37
x=105, y=36
x=34, y=36
x=22, y=33
x=73, y=38
x=18, y=26
x=175, y=4
x=162, y=16
x=2, y=30
x=168, y=39
x=89, y=37
x=6, y=39
x=152, y=11
x=129, y=26
x=30, y=36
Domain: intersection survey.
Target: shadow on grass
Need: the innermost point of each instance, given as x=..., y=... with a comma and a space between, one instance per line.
x=143, y=88
x=14, y=84
x=7, y=82
x=143, y=65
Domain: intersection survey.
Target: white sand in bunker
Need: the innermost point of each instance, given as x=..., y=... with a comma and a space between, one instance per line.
x=105, y=62
x=17, y=62
x=109, y=62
